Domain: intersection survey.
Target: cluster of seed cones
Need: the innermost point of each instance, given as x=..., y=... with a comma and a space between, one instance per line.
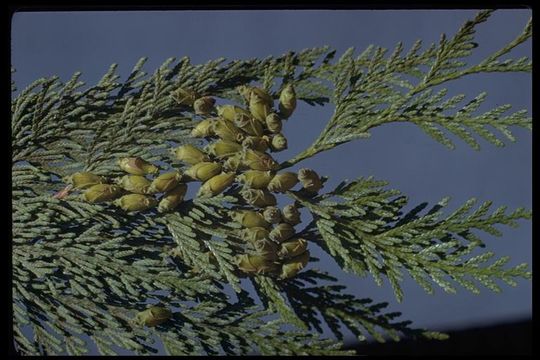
x=239, y=142
x=134, y=191
x=237, y=152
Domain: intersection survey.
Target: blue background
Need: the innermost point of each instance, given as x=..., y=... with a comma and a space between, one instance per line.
x=61, y=43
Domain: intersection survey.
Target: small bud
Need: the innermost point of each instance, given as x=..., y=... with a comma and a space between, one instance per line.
x=165, y=182
x=83, y=180
x=229, y=112
x=249, y=218
x=234, y=163
x=172, y=198
x=258, y=107
x=272, y=215
x=216, y=185
x=256, y=264
x=283, y=182
x=255, y=233
x=137, y=166
x=292, y=248
x=310, y=180
x=101, y=192
x=204, y=105
x=263, y=95
x=291, y=215
x=153, y=316
x=203, y=171
x=273, y=123
x=287, y=101
x=204, y=128
x=258, y=198
x=257, y=160
x=134, y=183
x=256, y=179
x=256, y=143
x=279, y=143
x=136, y=202
x=282, y=232
x=291, y=267
x=223, y=148
x=249, y=124
x=266, y=248
x=185, y=96
x=244, y=91
x=226, y=130
x=190, y=154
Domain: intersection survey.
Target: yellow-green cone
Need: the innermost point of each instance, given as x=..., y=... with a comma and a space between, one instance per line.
x=137, y=166
x=101, y=192
x=257, y=160
x=204, y=105
x=291, y=214
x=229, y=112
x=223, y=148
x=203, y=171
x=258, y=198
x=226, y=130
x=234, y=163
x=292, y=266
x=263, y=95
x=83, y=180
x=153, y=316
x=135, y=184
x=258, y=107
x=273, y=123
x=190, y=154
x=259, y=143
x=244, y=91
x=310, y=180
x=283, y=182
x=255, y=233
x=256, y=264
x=249, y=218
x=292, y=248
x=185, y=96
x=255, y=179
x=204, y=128
x=279, y=143
x=136, y=202
x=216, y=185
x=165, y=182
x=172, y=198
x=266, y=248
x=287, y=101
x=272, y=215
x=282, y=232
x=249, y=124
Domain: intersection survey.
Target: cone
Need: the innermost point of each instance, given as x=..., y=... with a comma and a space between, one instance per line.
x=223, y=149
x=172, y=198
x=292, y=248
x=253, y=234
x=273, y=123
x=283, y=182
x=204, y=128
x=291, y=214
x=135, y=183
x=249, y=124
x=153, y=316
x=291, y=267
x=257, y=160
x=137, y=166
x=136, y=202
x=83, y=180
x=226, y=130
x=204, y=105
x=259, y=143
x=282, y=232
x=190, y=154
x=258, y=198
x=203, y=171
x=185, y=96
x=287, y=101
x=310, y=180
x=101, y=192
x=216, y=185
x=165, y=182
x=249, y=219
x=279, y=143
x=229, y=112
x=256, y=179
x=256, y=264
x=272, y=215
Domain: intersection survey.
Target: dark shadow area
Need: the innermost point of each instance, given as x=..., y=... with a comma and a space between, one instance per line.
x=513, y=338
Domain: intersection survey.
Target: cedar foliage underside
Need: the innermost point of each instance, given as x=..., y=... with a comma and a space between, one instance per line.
x=82, y=271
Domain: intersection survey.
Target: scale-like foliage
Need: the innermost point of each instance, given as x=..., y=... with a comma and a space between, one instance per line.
x=82, y=271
